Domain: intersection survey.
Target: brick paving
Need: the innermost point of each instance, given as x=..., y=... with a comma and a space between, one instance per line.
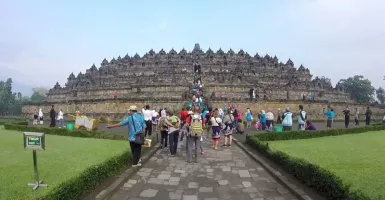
x=227, y=173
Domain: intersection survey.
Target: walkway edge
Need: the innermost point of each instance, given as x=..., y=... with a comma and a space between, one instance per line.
x=106, y=193
x=275, y=173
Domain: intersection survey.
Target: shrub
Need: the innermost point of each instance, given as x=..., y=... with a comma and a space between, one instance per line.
x=64, y=132
x=17, y=123
x=292, y=135
x=78, y=186
x=325, y=182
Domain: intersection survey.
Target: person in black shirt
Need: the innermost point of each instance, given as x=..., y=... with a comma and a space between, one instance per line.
x=52, y=115
x=347, y=116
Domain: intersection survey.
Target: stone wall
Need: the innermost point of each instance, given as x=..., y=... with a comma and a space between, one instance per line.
x=116, y=109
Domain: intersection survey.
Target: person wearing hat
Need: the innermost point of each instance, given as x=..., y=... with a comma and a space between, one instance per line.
x=136, y=125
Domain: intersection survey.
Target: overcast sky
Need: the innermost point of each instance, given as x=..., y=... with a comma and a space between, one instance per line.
x=43, y=41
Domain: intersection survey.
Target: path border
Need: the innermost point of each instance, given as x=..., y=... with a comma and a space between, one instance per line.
x=128, y=173
x=275, y=173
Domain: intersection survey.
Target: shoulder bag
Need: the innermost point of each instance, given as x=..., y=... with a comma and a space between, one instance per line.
x=139, y=138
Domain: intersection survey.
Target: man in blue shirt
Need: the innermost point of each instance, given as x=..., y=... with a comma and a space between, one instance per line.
x=136, y=125
x=330, y=115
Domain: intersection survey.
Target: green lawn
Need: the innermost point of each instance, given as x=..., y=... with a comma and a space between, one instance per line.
x=64, y=158
x=359, y=159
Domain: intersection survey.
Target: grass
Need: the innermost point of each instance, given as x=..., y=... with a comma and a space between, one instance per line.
x=359, y=159
x=64, y=158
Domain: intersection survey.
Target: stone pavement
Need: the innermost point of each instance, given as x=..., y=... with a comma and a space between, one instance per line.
x=227, y=173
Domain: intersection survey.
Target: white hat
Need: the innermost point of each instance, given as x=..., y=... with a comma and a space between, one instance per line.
x=133, y=107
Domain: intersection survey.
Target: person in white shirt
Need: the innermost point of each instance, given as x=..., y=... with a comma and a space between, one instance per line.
x=269, y=120
x=40, y=116
x=60, y=118
x=147, y=115
x=155, y=118
x=216, y=123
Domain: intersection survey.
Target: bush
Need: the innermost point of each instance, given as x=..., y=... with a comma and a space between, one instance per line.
x=293, y=135
x=17, y=123
x=76, y=187
x=325, y=182
x=64, y=132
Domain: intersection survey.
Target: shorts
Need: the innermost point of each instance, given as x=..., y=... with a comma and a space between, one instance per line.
x=329, y=123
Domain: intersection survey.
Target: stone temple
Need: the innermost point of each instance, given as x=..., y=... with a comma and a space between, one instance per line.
x=166, y=80
x=226, y=76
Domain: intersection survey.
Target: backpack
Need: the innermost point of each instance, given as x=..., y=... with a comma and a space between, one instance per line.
x=208, y=117
x=196, y=128
x=301, y=115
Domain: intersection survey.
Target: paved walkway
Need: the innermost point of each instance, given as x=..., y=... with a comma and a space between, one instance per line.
x=227, y=173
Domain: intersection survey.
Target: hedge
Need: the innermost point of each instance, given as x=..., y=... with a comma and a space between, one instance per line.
x=89, y=179
x=325, y=182
x=17, y=123
x=293, y=135
x=64, y=132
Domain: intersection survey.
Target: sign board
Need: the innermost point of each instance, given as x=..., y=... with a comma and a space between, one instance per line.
x=34, y=141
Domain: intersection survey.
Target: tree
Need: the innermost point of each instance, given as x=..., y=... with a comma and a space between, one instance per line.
x=37, y=97
x=7, y=98
x=41, y=90
x=381, y=95
x=359, y=88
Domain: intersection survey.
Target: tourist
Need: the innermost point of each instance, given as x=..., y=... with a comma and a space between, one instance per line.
x=310, y=126
x=147, y=115
x=236, y=117
x=221, y=113
x=185, y=130
x=262, y=120
x=155, y=118
x=195, y=125
x=279, y=117
x=356, y=116
x=216, y=122
x=41, y=116
x=200, y=101
x=368, y=115
x=163, y=112
x=183, y=114
x=241, y=127
x=228, y=127
x=52, y=115
x=35, y=117
x=173, y=123
x=193, y=99
x=136, y=127
x=329, y=113
x=163, y=127
x=225, y=108
x=207, y=118
x=269, y=120
x=302, y=116
x=115, y=94
x=287, y=120
x=249, y=118
x=347, y=116
x=60, y=118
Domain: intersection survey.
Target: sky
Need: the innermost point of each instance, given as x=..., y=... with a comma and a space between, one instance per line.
x=43, y=41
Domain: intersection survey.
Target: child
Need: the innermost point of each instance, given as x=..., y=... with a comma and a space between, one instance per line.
x=241, y=127
x=310, y=126
x=249, y=118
